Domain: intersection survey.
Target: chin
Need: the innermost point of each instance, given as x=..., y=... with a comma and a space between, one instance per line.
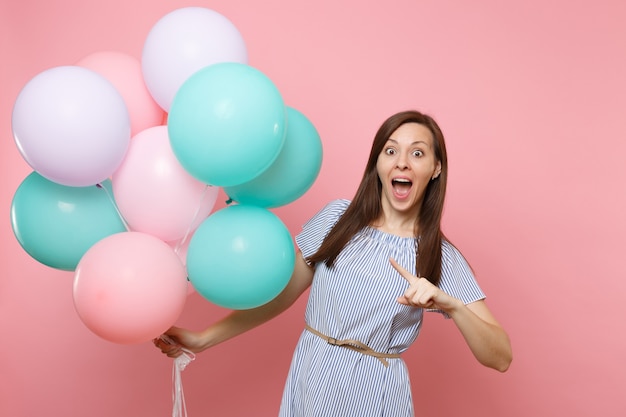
x=405, y=205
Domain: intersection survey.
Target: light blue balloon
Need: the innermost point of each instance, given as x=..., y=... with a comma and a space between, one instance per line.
x=56, y=224
x=293, y=172
x=240, y=257
x=227, y=124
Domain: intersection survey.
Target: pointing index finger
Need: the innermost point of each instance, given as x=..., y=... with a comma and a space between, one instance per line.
x=405, y=274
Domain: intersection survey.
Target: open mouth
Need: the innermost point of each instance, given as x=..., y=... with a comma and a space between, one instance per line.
x=401, y=186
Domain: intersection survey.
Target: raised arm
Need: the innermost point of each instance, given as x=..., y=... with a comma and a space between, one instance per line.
x=483, y=334
x=239, y=321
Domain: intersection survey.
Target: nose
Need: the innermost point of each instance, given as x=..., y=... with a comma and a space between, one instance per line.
x=401, y=161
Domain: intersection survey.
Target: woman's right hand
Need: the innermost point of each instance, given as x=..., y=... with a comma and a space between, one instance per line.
x=238, y=321
x=178, y=339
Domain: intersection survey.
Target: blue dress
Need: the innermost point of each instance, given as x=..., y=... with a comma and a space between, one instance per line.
x=356, y=299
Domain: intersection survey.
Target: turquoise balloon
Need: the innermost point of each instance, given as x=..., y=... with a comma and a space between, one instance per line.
x=240, y=257
x=57, y=224
x=227, y=124
x=293, y=172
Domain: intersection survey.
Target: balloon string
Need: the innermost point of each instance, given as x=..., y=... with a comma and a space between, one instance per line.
x=178, y=395
x=193, y=219
x=99, y=185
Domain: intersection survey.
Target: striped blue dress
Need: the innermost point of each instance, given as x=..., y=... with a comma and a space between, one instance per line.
x=356, y=299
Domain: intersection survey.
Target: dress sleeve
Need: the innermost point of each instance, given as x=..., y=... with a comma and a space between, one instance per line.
x=457, y=278
x=315, y=230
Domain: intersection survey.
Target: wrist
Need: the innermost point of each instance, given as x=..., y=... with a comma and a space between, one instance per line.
x=454, y=307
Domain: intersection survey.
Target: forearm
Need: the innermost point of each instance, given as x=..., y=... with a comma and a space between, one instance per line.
x=485, y=337
x=240, y=321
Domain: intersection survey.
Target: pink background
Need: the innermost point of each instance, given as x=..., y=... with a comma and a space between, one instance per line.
x=532, y=98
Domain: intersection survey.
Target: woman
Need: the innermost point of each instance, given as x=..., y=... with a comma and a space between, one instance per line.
x=365, y=308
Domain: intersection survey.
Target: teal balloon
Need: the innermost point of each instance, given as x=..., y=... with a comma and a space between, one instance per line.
x=56, y=224
x=293, y=172
x=227, y=124
x=240, y=257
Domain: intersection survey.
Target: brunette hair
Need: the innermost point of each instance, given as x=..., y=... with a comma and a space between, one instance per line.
x=366, y=206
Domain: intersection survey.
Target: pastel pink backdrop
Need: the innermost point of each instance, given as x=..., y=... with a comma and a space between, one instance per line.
x=532, y=98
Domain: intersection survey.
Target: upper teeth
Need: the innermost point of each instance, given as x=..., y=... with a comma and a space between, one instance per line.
x=401, y=180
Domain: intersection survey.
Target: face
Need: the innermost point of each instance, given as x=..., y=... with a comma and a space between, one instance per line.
x=405, y=166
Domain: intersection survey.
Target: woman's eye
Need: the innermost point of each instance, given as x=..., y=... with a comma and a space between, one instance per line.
x=418, y=154
x=390, y=151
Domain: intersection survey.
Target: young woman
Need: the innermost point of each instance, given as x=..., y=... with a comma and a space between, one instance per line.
x=365, y=308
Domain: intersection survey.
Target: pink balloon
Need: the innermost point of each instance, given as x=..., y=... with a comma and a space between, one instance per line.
x=155, y=194
x=180, y=248
x=71, y=125
x=129, y=288
x=124, y=72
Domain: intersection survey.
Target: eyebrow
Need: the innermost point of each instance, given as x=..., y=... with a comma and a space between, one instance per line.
x=413, y=143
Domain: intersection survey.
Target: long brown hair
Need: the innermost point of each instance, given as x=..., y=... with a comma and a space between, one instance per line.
x=366, y=206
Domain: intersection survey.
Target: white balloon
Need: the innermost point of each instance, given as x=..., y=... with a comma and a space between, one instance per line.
x=71, y=125
x=183, y=42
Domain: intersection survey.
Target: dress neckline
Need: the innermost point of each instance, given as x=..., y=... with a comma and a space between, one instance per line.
x=386, y=236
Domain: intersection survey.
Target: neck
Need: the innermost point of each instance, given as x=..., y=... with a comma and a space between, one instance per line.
x=396, y=223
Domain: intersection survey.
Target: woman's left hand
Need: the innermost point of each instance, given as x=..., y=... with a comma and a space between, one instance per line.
x=485, y=337
x=422, y=293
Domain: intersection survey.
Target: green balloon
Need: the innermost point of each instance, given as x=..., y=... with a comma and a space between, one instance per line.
x=240, y=257
x=293, y=172
x=57, y=224
x=227, y=124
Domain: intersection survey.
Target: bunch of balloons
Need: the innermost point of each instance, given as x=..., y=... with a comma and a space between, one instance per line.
x=128, y=156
